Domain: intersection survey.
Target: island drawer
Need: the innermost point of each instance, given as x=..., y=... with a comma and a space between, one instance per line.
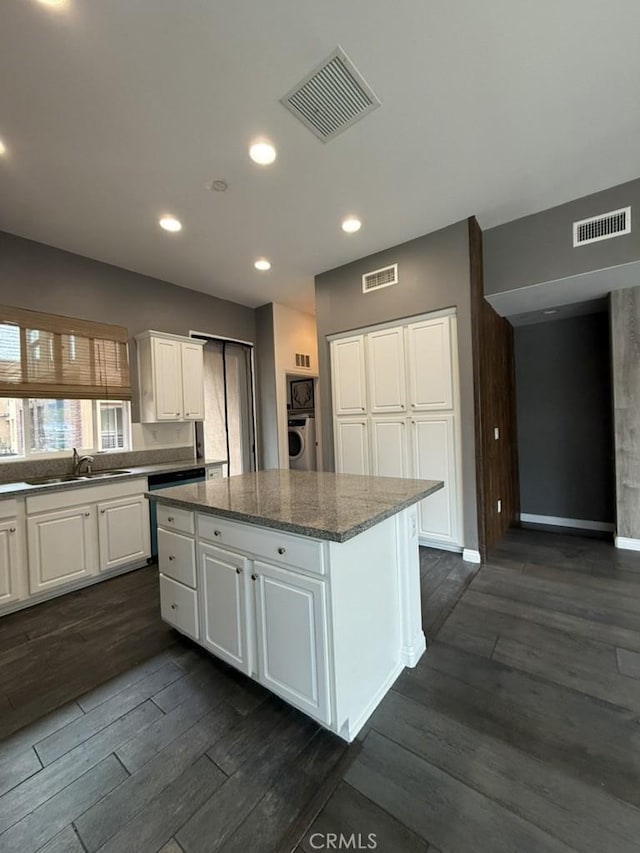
x=179, y=606
x=177, y=556
x=272, y=545
x=176, y=519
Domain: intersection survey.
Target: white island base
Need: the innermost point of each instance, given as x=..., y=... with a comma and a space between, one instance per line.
x=325, y=625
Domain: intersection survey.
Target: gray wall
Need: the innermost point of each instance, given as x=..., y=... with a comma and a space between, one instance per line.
x=539, y=248
x=564, y=406
x=434, y=274
x=266, y=388
x=43, y=278
x=625, y=339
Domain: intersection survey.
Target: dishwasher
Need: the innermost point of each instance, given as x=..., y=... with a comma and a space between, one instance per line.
x=165, y=481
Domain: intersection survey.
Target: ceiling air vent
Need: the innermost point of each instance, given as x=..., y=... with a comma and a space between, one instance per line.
x=602, y=227
x=332, y=97
x=380, y=278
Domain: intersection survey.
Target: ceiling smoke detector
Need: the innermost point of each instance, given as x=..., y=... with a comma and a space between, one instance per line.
x=332, y=97
x=218, y=186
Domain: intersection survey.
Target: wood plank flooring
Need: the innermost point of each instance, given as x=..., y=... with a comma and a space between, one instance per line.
x=517, y=731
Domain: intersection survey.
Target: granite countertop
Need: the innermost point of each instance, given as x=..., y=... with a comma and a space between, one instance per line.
x=12, y=490
x=324, y=506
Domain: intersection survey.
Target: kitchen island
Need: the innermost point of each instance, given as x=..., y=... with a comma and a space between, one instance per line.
x=308, y=582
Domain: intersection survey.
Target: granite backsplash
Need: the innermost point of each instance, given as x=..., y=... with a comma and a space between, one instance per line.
x=14, y=472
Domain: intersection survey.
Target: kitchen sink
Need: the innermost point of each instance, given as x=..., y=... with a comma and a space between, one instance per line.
x=72, y=478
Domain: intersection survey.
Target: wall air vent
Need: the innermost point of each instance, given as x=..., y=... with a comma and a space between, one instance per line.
x=332, y=97
x=602, y=227
x=380, y=278
x=303, y=360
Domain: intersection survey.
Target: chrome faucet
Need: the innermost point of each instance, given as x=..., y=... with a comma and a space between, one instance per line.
x=80, y=462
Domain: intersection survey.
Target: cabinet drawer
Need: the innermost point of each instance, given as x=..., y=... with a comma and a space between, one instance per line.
x=272, y=545
x=176, y=519
x=177, y=557
x=179, y=606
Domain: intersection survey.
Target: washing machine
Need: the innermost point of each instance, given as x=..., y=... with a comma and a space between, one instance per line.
x=302, y=443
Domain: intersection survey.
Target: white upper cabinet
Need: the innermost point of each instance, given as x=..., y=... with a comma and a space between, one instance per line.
x=386, y=370
x=348, y=376
x=430, y=365
x=192, y=382
x=10, y=563
x=171, y=378
x=352, y=446
x=389, y=447
x=123, y=532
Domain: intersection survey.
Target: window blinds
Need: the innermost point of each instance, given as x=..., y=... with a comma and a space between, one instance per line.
x=46, y=355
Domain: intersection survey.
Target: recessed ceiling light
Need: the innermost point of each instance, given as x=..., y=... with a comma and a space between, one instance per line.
x=262, y=152
x=351, y=224
x=551, y=311
x=54, y=4
x=3, y=148
x=170, y=223
x=262, y=264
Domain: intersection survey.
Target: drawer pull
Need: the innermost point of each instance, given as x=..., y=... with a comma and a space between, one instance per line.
x=170, y=519
x=282, y=550
x=217, y=533
x=174, y=606
x=254, y=577
x=238, y=570
x=171, y=558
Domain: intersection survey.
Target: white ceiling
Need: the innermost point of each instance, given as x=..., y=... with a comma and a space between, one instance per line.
x=116, y=111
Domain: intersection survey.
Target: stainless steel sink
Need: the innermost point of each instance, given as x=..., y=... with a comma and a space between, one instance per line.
x=72, y=478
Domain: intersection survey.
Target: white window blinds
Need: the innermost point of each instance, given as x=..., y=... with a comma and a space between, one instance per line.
x=46, y=355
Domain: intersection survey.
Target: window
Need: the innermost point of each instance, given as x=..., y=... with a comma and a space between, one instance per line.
x=33, y=427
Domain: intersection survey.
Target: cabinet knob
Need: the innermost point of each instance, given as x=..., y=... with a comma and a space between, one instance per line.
x=254, y=577
x=174, y=606
x=170, y=519
x=87, y=514
x=282, y=550
x=238, y=570
x=102, y=511
x=171, y=558
x=186, y=414
x=177, y=414
x=12, y=530
x=413, y=405
x=217, y=533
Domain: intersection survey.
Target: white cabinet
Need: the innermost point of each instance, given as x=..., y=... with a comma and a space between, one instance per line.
x=389, y=447
x=222, y=582
x=10, y=562
x=386, y=370
x=192, y=381
x=433, y=444
x=352, y=445
x=171, y=378
x=63, y=547
x=292, y=637
x=123, y=531
x=348, y=376
x=430, y=364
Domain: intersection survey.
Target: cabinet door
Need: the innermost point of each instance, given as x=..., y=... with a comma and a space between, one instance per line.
x=348, y=376
x=389, y=447
x=167, y=379
x=386, y=370
x=62, y=547
x=430, y=364
x=123, y=532
x=193, y=381
x=352, y=446
x=292, y=637
x=433, y=441
x=222, y=582
x=9, y=566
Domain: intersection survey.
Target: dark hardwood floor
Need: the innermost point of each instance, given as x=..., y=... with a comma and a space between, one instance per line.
x=517, y=731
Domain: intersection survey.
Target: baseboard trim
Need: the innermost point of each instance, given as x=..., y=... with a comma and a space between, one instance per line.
x=471, y=556
x=577, y=523
x=439, y=546
x=626, y=544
